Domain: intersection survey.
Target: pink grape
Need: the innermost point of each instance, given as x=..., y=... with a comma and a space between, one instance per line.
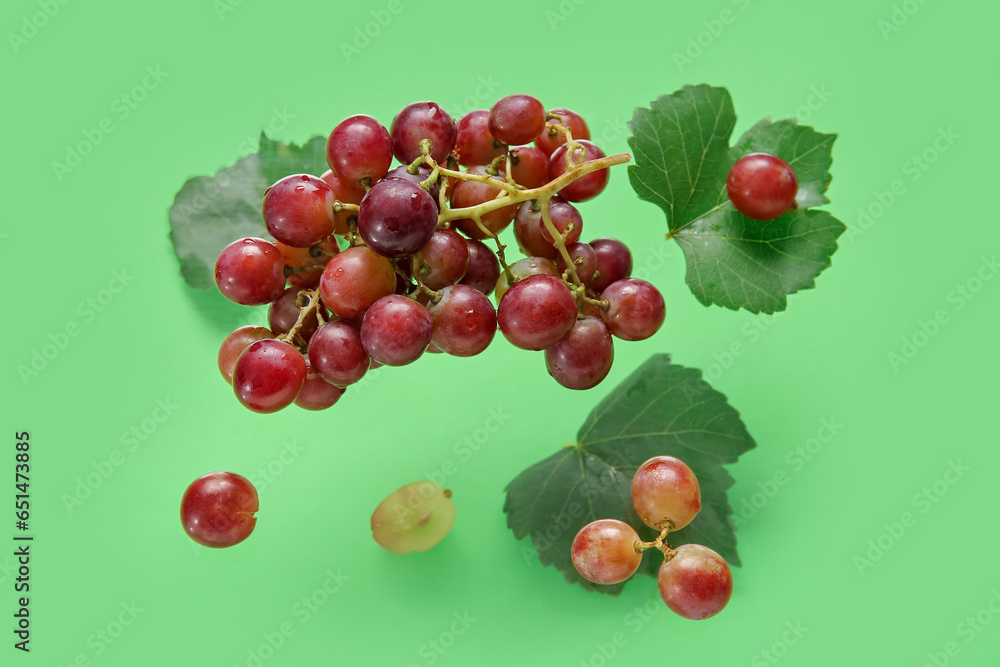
x=604, y=551
x=696, y=583
x=665, y=493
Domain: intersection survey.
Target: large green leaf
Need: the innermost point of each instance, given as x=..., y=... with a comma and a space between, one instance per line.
x=661, y=409
x=682, y=152
x=210, y=212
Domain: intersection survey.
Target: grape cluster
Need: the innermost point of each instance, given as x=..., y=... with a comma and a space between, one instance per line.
x=374, y=265
x=694, y=581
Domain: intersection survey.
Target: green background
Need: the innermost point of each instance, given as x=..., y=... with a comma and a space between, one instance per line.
x=120, y=554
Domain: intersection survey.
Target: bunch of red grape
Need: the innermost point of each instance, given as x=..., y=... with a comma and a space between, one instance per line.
x=415, y=274
x=694, y=581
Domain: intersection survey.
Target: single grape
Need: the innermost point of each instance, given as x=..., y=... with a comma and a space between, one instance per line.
x=443, y=261
x=423, y=173
x=536, y=312
x=635, y=309
x=317, y=393
x=354, y=280
x=284, y=312
x=251, y=272
x=337, y=355
x=314, y=256
x=397, y=218
x=517, y=119
x=665, y=493
x=586, y=267
x=217, y=509
x=521, y=269
x=413, y=518
x=474, y=143
x=762, y=186
x=359, y=150
x=583, y=357
x=234, y=344
x=474, y=193
x=268, y=375
x=614, y=262
x=533, y=236
x=696, y=583
x=604, y=551
x=345, y=193
x=298, y=210
x=584, y=188
x=551, y=139
x=396, y=330
x=484, y=267
x=528, y=166
x=418, y=121
x=464, y=321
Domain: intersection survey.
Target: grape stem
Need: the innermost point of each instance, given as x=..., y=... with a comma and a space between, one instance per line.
x=660, y=544
x=310, y=307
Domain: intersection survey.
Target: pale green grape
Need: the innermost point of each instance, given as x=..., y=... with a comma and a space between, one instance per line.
x=413, y=518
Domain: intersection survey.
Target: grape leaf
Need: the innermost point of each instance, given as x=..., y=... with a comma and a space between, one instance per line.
x=210, y=212
x=682, y=154
x=661, y=409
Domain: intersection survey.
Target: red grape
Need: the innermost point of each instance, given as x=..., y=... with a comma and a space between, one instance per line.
x=474, y=193
x=696, y=583
x=396, y=330
x=218, y=509
x=397, y=218
x=336, y=353
x=582, y=358
x=251, y=272
x=587, y=267
x=533, y=236
x=464, y=321
x=474, y=143
x=484, y=268
x=522, y=268
x=443, y=261
x=298, y=210
x=614, y=262
x=317, y=393
x=604, y=551
x=359, y=149
x=517, y=119
x=636, y=310
x=418, y=121
x=762, y=186
x=354, y=280
x=234, y=344
x=551, y=139
x=268, y=375
x=528, y=166
x=584, y=188
x=665, y=493
x=536, y=312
